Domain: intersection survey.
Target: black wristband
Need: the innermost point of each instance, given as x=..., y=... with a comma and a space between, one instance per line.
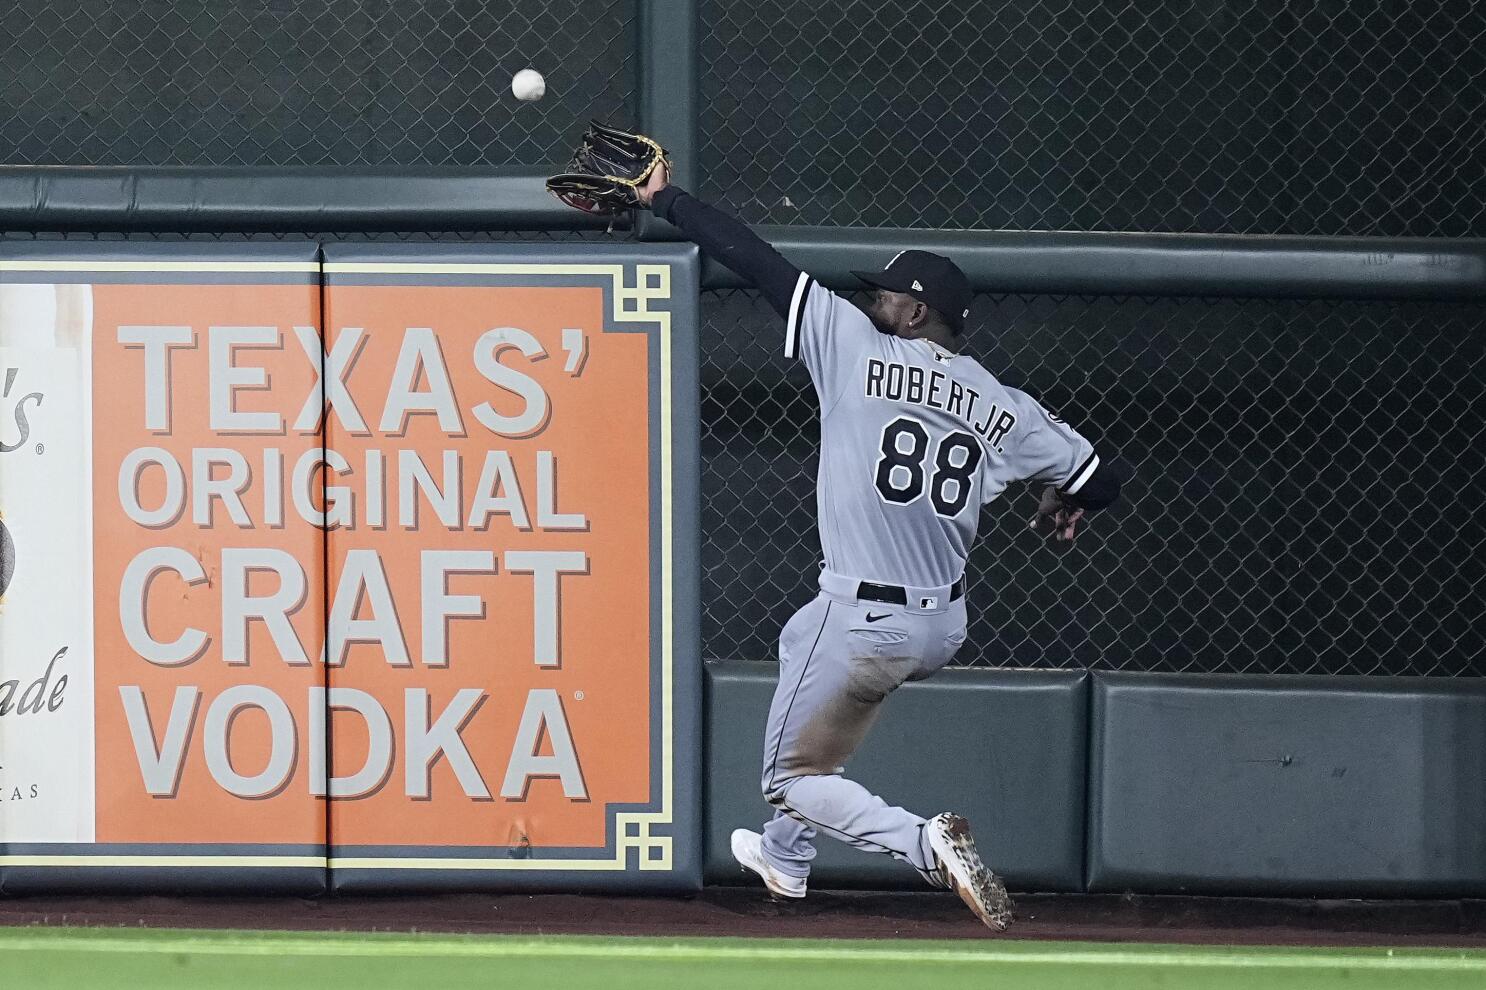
x=661, y=204
x=1100, y=490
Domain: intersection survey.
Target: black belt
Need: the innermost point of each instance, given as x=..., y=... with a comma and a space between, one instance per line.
x=891, y=594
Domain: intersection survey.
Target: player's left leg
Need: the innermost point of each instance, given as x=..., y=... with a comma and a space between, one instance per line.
x=782, y=853
x=790, y=842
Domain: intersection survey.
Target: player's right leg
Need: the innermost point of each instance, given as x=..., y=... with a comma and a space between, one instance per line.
x=962, y=870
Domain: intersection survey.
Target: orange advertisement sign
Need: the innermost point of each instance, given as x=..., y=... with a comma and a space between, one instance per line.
x=490, y=585
x=391, y=590
x=206, y=564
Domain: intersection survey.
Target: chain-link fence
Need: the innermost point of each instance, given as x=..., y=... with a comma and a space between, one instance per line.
x=1304, y=480
x=1322, y=118
x=1325, y=118
x=306, y=82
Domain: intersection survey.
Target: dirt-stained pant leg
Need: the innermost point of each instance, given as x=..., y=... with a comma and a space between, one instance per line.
x=839, y=660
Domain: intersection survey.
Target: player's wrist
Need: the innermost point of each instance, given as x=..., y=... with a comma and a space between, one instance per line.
x=662, y=198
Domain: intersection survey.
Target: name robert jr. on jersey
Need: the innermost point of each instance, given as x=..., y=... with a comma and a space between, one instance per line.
x=909, y=383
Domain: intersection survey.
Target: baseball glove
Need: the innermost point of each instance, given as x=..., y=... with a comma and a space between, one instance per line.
x=607, y=170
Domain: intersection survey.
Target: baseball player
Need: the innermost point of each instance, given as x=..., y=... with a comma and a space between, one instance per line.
x=915, y=437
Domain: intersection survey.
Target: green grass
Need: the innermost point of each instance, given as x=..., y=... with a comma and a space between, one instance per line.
x=94, y=959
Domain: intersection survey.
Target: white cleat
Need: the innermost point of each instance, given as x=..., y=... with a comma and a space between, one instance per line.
x=959, y=863
x=748, y=851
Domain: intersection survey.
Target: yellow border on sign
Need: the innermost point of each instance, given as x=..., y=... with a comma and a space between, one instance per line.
x=629, y=304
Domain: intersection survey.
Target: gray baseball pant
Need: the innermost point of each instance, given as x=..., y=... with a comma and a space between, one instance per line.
x=835, y=669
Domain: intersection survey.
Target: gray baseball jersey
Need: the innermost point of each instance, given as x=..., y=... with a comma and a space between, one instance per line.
x=914, y=441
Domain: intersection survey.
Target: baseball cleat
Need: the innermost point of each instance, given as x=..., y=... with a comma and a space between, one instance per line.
x=959, y=863
x=748, y=851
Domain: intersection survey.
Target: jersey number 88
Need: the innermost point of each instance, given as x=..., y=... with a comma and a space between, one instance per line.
x=901, y=470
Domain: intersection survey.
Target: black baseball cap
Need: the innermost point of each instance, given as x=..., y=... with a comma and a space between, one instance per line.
x=930, y=278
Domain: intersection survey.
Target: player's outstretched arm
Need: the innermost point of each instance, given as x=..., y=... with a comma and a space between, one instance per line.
x=724, y=238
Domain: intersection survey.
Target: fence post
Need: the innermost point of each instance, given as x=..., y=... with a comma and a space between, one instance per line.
x=667, y=54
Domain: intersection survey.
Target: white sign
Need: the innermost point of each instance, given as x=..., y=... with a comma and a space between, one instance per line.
x=46, y=574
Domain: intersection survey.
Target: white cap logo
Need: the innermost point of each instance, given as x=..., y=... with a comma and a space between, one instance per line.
x=917, y=286
x=966, y=314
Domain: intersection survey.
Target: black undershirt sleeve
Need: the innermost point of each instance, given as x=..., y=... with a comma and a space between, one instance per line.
x=729, y=241
x=1101, y=490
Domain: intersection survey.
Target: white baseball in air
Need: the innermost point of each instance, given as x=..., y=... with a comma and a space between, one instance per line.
x=528, y=85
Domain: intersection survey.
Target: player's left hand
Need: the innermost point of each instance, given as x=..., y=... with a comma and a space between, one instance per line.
x=1056, y=517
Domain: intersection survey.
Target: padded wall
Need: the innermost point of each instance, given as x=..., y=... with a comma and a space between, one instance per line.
x=1006, y=748
x=1304, y=786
